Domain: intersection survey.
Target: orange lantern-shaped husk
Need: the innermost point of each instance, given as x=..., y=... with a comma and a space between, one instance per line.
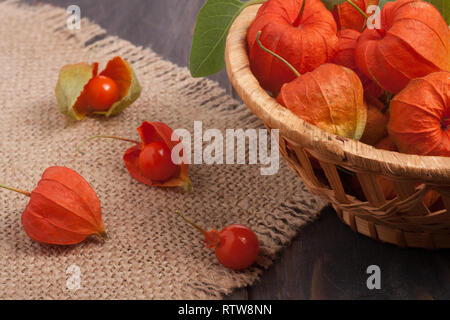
x=330, y=97
x=414, y=41
x=420, y=116
x=348, y=40
x=63, y=209
x=303, y=35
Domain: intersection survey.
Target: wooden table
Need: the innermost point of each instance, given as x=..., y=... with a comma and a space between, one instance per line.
x=327, y=260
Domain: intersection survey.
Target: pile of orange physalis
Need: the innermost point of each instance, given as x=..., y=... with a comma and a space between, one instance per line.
x=384, y=84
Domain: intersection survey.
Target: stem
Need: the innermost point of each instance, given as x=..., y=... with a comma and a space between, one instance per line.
x=16, y=190
x=212, y=238
x=296, y=23
x=358, y=8
x=191, y=223
x=104, y=137
x=276, y=55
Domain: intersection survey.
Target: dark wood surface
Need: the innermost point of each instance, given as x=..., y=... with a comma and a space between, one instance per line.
x=327, y=260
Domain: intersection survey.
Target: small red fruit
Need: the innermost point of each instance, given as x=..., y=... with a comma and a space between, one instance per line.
x=101, y=93
x=236, y=246
x=155, y=162
x=150, y=162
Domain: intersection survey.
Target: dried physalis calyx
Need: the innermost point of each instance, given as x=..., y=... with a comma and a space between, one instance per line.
x=150, y=161
x=63, y=209
x=81, y=90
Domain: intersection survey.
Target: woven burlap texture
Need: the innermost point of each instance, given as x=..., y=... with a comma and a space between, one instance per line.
x=152, y=253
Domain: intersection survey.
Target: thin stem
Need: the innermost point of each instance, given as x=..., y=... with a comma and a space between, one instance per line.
x=191, y=223
x=28, y=194
x=358, y=8
x=258, y=40
x=103, y=137
x=296, y=23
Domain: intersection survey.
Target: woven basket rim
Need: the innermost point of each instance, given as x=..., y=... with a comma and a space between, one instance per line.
x=347, y=152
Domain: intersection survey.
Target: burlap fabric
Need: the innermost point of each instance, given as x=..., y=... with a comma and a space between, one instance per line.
x=152, y=253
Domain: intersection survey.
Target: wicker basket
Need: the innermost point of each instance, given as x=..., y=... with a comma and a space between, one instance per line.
x=404, y=221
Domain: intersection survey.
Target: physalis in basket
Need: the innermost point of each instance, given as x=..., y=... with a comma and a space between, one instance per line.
x=81, y=90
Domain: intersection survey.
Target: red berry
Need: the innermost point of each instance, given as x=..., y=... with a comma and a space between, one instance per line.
x=155, y=162
x=238, y=247
x=101, y=93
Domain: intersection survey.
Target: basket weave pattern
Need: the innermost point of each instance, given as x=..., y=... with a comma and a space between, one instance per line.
x=404, y=221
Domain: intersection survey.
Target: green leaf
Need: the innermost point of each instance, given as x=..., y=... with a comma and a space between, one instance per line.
x=331, y=3
x=208, y=43
x=382, y=3
x=215, y=19
x=71, y=82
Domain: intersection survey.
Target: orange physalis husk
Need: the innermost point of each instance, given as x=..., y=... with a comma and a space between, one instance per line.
x=157, y=132
x=330, y=97
x=420, y=116
x=63, y=209
x=302, y=32
x=347, y=17
x=71, y=87
x=414, y=41
x=345, y=56
x=376, y=125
